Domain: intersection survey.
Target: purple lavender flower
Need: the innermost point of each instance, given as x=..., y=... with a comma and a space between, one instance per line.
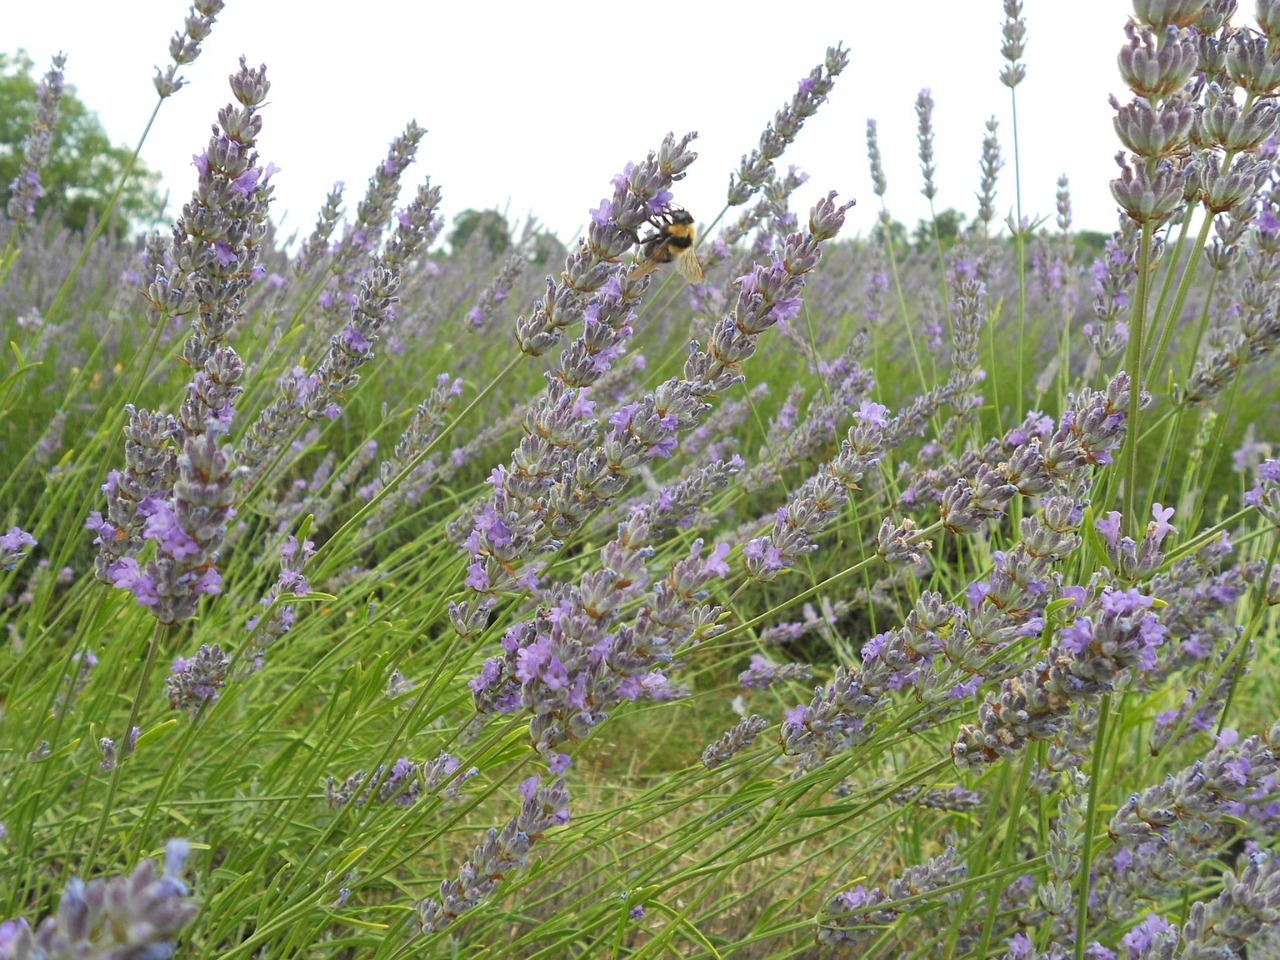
x=852, y=917
x=737, y=739
x=1265, y=494
x=404, y=783
x=501, y=853
x=197, y=681
x=764, y=673
x=493, y=296
x=305, y=397
x=188, y=531
x=13, y=547
x=314, y=247
x=25, y=189
x=134, y=915
x=1131, y=561
x=294, y=557
x=755, y=169
x=1113, y=636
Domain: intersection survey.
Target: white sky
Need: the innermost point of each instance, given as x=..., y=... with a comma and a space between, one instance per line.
x=537, y=105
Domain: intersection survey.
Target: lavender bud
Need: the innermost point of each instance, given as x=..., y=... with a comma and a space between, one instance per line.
x=1152, y=132
x=1223, y=189
x=896, y=546
x=1252, y=65
x=184, y=47
x=878, y=183
x=1163, y=13
x=1153, y=70
x=1144, y=197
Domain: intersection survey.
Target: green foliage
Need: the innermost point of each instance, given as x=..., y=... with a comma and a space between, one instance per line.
x=84, y=166
x=1089, y=244
x=946, y=229
x=895, y=234
x=489, y=226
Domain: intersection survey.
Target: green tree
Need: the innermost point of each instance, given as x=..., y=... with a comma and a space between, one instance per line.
x=948, y=224
x=897, y=232
x=83, y=166
x=490, y=225
x=1090, y=244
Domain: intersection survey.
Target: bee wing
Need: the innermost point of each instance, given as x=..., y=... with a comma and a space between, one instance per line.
x=689, y=266
x=653, y=260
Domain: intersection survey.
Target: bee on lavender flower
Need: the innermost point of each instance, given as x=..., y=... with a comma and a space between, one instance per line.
x=672, y=239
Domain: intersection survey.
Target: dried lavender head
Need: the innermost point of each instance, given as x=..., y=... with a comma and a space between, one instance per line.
x=1265, y=494
x=25, y=189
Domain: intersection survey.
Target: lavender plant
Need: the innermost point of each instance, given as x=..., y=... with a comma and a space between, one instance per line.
x=741, y=622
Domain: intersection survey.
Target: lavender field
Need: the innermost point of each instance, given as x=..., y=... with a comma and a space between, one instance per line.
x=390, y=592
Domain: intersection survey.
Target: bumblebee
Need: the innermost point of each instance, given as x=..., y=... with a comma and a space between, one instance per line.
x=672, y=240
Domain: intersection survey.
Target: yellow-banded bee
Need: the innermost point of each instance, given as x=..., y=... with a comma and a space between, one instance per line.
x=672, y=240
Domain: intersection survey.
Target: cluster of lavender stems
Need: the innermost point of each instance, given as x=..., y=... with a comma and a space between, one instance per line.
x=178, y=486
x=569, y=665
x=943, y=652
x=315, y=396
x=1033, y=650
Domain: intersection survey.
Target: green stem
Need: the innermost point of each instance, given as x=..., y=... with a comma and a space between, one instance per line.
x=1091, y=817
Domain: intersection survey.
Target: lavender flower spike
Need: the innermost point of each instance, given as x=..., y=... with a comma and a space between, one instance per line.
x=132, y=916
x=755, y=169
x=184, y=47
x=501, y=853
x=25, y=189
x=188, y=531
